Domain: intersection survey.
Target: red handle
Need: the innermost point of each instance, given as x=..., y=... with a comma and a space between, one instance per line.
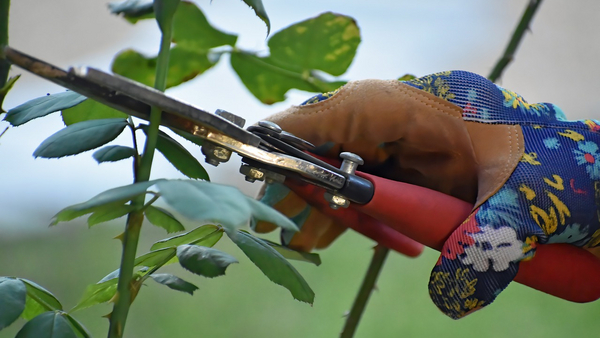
x=401, y=216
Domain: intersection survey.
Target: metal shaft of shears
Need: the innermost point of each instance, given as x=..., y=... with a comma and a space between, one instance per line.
x=136, y=99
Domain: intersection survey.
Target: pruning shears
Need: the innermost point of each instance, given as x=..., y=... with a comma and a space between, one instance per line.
x=271, y=154
x=268, y=153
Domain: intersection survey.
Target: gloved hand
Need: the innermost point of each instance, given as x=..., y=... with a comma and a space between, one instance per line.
x=530, y=174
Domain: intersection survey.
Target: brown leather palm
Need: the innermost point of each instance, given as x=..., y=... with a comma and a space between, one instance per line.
x=412, y=136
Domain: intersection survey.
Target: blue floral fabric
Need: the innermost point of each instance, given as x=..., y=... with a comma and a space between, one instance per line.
x=551, y=197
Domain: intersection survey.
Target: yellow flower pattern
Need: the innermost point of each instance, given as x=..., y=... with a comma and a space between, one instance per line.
x=456, y=291
x=435, y=84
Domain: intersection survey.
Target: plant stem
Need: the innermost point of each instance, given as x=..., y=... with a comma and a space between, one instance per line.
x=160, y=83
x=135, y=219
x=4, y=65
x=513, y=44
x=360, y=302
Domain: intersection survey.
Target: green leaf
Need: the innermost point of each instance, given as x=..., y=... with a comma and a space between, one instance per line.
x=294, y=254
x=206, y=235
x=179, y=157
x=203, y=261
x=208, y=202
x=260, y=11
x=407, y=77
x=269, y=80
x=273, y=265
x=165, y=250
x=104, y=290
x=90, y=110
x=38, y=300
x=164, y=11
x=108, y=214
x=112, y=275
x=136, y=66
x=4, y=91
x=52, y=324
x=12, y=300
x=43, y=106
x=174, y=282
x=97, y=294
x=113, y=153
x=184, y=65
x=193, y=35
x=192, y=30
x=79, y=328
x=133, y=10
x=80, y=137
x=327, y=42
x=164, y=219
x=157, y=257
x=108, y=198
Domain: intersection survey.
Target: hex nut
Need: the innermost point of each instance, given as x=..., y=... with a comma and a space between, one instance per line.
x=336, y=201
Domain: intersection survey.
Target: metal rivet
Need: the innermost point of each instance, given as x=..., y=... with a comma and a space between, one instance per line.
x=350, y=162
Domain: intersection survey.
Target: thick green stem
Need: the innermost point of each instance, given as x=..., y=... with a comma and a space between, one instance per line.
x=513, y=44
x=4, y=65
x=160, y=83
x=364, y=293
x=135, y=219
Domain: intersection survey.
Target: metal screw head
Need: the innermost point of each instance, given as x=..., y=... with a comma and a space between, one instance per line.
x=215, y=154
x=336, y=201
x=270, y=125
x=252, y=174
x=222, y=154
x=352, y=157
x=350, y=162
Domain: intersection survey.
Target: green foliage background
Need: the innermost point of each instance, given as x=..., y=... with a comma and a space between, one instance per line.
x=245, y=304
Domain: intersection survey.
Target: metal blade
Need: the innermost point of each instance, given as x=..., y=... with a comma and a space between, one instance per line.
x=129, y=97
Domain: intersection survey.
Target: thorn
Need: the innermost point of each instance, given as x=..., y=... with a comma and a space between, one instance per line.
x=346, y=314
x=120, y=236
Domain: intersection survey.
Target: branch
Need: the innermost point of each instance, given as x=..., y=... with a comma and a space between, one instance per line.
x=4, y=65
x=360, y=302
x=514, y=42
x=134, y=220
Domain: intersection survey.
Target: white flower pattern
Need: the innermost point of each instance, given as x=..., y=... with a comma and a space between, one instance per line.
x=497, y=247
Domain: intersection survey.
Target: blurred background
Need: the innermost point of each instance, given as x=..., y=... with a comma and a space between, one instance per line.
x=557, y=62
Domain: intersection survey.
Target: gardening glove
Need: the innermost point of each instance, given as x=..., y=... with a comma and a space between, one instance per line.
x=531, y=175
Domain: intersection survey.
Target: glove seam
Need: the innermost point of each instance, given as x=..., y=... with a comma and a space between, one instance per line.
x=349, y=88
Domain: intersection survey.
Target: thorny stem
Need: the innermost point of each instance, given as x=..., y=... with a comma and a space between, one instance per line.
x=360, y=302
x=135, y=219
x=4, y=65
x=514, y=42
